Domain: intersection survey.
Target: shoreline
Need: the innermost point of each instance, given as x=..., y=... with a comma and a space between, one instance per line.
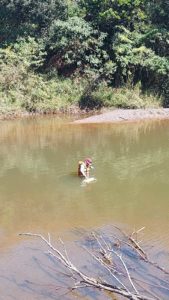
x=126, y=115
x=71, y=111
x=103, y=115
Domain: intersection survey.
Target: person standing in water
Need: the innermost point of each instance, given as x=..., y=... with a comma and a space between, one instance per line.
x=84, y=168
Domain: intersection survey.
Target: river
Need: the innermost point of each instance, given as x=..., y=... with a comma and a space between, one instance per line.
x=40, y=191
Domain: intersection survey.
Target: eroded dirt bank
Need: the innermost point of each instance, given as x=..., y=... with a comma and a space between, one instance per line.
x=121, y=115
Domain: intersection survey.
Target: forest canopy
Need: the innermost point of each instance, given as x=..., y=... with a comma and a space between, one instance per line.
x=104, y=45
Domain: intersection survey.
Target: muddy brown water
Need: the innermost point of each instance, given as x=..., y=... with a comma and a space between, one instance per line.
x=40, y=192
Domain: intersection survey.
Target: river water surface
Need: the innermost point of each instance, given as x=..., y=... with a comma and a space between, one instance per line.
x=40, y=190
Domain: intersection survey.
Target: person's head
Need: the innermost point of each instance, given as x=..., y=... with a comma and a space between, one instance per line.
x=88, y=162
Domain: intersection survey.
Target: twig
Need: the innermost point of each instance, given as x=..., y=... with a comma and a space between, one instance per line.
x=140, y=251
x=127, y=271
x=68, y=259
x=104, y=252
x=136, y=245
x=128, y=244
x=108, y=268
x=86, y=280
x=123, y=263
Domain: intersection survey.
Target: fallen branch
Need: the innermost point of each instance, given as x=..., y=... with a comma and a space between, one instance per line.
x=110, y=250
x=134, y=243
x=141, y=252
x=83, y=280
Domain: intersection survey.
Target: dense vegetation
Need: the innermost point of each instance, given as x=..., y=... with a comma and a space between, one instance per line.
x=90, y=53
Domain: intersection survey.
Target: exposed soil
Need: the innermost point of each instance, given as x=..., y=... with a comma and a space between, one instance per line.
x=126, y=115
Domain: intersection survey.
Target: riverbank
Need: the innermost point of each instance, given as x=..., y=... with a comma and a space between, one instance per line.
x=95, y=116
x=126, y=115
x=73, y=111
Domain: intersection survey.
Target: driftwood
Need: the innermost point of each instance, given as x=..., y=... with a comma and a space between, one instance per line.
x=121, y=281
x=136, y=247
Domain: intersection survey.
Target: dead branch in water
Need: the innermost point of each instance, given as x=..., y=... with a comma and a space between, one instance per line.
x=109, y=256
x=136, y=247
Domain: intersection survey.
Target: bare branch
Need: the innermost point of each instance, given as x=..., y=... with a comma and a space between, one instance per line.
x=108, y=268
x=82, y=280
x=128, y=274
x=141, y=252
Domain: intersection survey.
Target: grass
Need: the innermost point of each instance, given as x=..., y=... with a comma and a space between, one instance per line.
x=37, y=93
x=125, y=97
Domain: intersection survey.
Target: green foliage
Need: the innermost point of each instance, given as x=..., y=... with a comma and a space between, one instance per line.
x=106, y=96
x=157, y=39
x=132, y=55
x=28, y=17
x=159, y=12
x=75, y=43
x=107, y=13
x=22, y=88
x=25, y=52
x=121, y=42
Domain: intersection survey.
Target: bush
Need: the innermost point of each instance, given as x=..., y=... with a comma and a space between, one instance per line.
x=122, y=97
x=22, y=87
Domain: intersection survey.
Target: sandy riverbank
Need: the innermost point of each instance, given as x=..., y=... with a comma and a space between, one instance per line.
x=126, y=115
x=104, y=116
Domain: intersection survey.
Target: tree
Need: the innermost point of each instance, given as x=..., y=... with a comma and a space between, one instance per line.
x=107, y=14
x=159, y=12
x=75, y=45
x=33, y=17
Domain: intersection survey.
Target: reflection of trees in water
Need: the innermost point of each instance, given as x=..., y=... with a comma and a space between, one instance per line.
x=142, y=165
x=38, y=156
x=127, y=150
x=25, y=143
x=121, y=153
x=23, y=162
x=39, y=132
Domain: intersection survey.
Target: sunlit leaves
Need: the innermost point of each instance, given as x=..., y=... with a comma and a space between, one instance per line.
x=77, y=42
